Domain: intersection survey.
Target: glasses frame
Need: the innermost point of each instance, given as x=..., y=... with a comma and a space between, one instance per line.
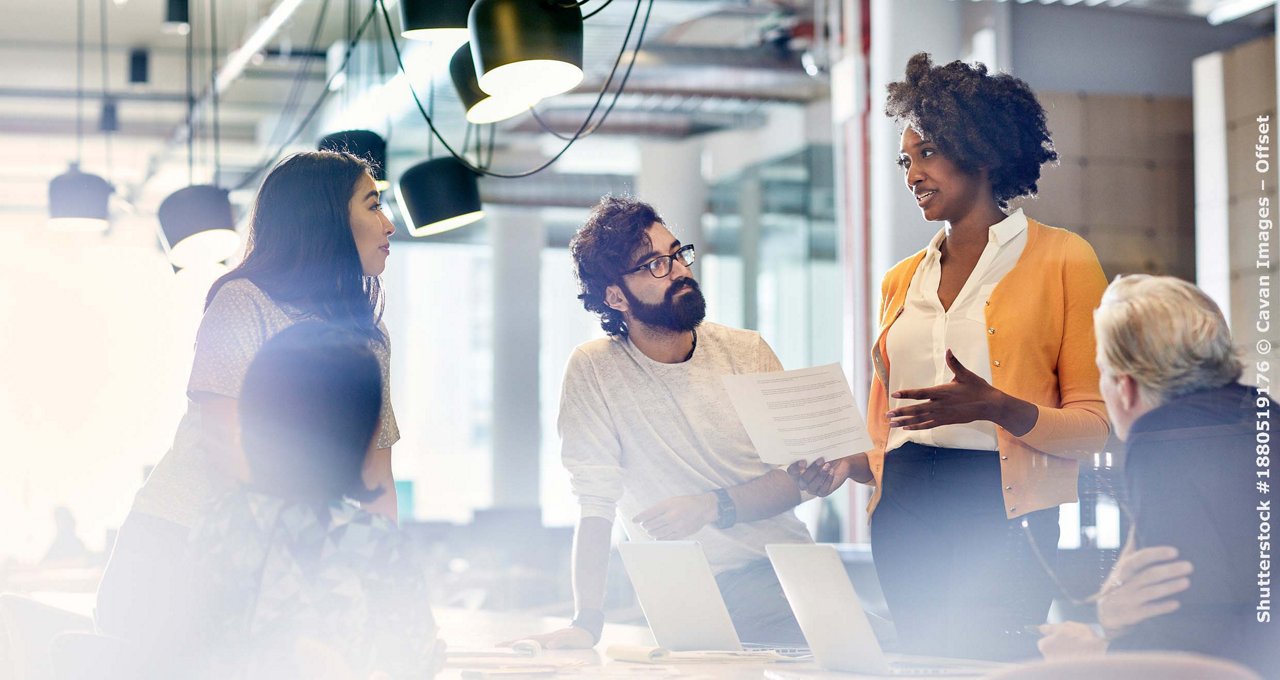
x=671, y=262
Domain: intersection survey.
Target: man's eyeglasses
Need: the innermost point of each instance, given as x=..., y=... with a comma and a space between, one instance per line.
x=659, y=267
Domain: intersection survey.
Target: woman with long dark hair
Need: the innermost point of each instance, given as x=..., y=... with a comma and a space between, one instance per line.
x=985, y=394
x=318, y=240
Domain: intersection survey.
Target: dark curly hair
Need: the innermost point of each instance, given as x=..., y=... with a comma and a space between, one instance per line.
x=603, y=247
x=977, y=120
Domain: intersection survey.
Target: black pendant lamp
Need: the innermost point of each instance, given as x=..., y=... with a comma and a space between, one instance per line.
x=364, y=144
x=438, y=195
x=528, y=49
x=139, y=67
x=177, y=17
x=481, y=107
x=438, y=21
x=196, y=222
x=79, y=201
x=198, y=226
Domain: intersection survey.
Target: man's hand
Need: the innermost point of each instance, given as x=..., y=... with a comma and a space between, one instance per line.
x=1070, y=640
x=678, y=517
x=571, y=637
x=1138, y=587
x=963, y=400
x=822, y=478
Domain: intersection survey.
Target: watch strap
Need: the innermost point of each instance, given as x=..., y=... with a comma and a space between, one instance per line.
x=726, y=511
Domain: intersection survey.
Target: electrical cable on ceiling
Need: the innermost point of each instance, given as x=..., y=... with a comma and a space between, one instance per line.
x=106, y=101
x=315, y=107
x=79, y=80
x=299, y=79
x=191, y=112
x=621, y=85
x=213, y=84
x=382, y=73
x=597, y=10
x=483, y=171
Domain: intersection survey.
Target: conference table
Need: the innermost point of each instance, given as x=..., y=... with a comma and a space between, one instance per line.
x=474, y=631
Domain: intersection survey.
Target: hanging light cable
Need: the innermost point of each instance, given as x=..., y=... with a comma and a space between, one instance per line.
x=79, y=201
x=196, y=222
x=486, y=172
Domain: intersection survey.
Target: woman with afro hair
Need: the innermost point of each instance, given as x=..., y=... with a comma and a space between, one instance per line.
x=985, y=393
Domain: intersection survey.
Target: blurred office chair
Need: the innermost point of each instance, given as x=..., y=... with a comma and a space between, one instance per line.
x=28, y=628
x=1128, y=666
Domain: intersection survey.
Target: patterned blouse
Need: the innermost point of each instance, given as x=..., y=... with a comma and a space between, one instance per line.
x=275, y=572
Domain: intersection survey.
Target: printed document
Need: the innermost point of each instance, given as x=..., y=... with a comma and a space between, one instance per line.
x=796, y=415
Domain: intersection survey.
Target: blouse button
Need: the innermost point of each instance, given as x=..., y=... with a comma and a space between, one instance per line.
x=997, y=363
x=1013, y=509
x=991, y=331
x=1008, y=488
x=1004, y=458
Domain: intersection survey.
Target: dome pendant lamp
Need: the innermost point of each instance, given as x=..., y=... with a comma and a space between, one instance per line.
x=79, y=201
x=526, y=49
x=437, y=21
x=438, y=195
x=480, y=106
x=364, y=144
x=198, y=226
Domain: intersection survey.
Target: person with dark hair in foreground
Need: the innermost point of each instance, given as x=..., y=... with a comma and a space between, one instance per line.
x=985, y=394
x=647, y=429
x=289, y=557
x=318, y=241
x=1188, y=578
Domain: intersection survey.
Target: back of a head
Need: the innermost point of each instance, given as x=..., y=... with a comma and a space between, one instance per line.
x=308, y=411
x=1167, y=334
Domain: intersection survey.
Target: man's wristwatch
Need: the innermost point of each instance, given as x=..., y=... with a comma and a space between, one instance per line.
x=726, y=511
x=590, y=620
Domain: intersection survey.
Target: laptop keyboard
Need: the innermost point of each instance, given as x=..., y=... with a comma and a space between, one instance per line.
x=793, y=652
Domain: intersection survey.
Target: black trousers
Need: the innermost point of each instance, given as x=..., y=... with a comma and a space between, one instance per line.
x=959, y=578
x=758, y=607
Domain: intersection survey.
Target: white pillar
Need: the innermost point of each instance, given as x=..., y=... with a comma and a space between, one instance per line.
x=518, y=237
x=899, y=29
x=670, y=179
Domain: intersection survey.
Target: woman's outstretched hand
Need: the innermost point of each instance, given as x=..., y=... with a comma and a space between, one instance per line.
x=963, y=400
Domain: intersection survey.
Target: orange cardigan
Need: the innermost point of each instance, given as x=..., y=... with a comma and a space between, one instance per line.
x=1040, y=337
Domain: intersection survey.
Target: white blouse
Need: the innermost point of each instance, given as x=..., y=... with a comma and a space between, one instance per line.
x=918, y=341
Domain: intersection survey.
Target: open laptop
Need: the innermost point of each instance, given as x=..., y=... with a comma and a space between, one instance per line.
x=681, y=600
x=834, y=623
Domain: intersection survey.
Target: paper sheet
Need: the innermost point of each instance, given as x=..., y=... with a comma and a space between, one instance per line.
x=796, y=415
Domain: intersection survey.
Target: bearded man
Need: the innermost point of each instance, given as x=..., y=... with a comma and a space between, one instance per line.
x=648, y=432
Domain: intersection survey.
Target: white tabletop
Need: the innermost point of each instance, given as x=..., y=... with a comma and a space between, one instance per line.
x=475, y=629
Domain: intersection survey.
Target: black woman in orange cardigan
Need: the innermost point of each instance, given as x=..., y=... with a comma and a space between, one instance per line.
x=985, y=393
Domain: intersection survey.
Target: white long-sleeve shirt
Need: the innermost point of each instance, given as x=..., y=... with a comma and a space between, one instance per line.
x=635, y=431
x=919, y=339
